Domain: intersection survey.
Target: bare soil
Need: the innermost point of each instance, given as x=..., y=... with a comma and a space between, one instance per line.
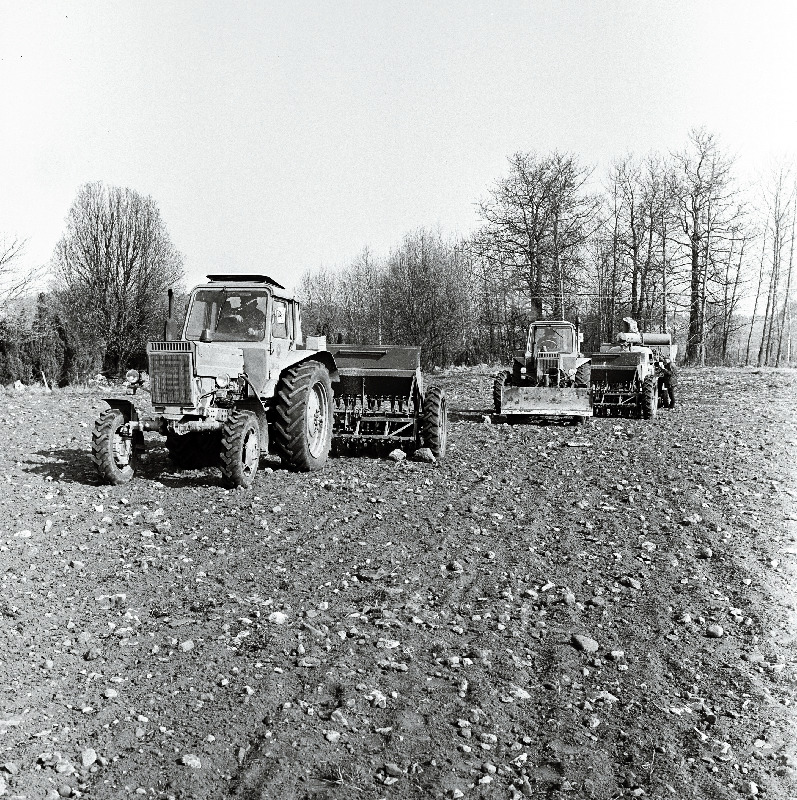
x=406, y=630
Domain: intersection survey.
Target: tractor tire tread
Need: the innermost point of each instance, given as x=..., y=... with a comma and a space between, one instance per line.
x=232, y=471
x=289, y=411
x=649, y=397
x=502, y=379
x=434, y=421
x=102, y=449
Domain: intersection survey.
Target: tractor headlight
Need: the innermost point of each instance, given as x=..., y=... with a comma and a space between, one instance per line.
x=222, y=381
x=133, y=376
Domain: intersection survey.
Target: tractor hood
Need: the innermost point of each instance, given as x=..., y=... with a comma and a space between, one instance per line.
x=214, y=359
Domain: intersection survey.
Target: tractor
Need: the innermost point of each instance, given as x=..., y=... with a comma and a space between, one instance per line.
x=549, y=379
x=634, y=376
x=238, y=380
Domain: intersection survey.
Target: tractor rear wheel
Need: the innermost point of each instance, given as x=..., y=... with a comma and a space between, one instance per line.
x=434, y=421
x=240, y=449
x=581, y=381
x=303, y=416
x=650, y=397
x=502, y=379
x=113, y=454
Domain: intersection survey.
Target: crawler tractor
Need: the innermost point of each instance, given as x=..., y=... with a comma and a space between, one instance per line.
x=238, y=381
x=549, y=379
x=634, y=376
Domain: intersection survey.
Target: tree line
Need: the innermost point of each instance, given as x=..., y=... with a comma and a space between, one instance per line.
x=674, y=240
x=109, y=276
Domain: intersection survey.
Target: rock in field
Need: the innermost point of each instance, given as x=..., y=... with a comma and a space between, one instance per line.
x=424, y=454
x=584, y=643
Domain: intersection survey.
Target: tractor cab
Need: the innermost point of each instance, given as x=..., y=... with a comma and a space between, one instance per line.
x=551, y=357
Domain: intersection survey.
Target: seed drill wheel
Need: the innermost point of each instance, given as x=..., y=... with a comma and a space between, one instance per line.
x=240, y=449
x=112, y=454
x=650, y=397
x=434, y=421
x=303, y=416
x=501, y=379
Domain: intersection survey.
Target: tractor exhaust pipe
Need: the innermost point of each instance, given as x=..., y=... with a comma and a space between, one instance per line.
x=167, y=325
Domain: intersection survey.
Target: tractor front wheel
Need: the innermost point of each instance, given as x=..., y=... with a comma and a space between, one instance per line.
x=240, y=450
x=303, y=416
x=650, y=397
x=581, y=380
x=502, y=379
x=434, y=421
x=112, y=453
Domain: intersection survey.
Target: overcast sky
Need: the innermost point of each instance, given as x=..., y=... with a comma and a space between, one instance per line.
x=280, y=136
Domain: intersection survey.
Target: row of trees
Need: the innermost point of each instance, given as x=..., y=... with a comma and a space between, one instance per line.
x=671, y=240
x=109, y=275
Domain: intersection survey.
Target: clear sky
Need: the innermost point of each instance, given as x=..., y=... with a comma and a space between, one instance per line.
x=277, y=136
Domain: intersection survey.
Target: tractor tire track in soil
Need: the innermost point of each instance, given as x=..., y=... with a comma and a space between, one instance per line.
x=553, y=611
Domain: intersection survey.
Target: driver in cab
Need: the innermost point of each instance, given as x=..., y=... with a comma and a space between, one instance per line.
x=548, y=341
x=246, y=322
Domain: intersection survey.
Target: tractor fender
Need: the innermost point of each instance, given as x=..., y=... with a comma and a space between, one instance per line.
x=581, y=360
x=126, y=407
x=297, y=357
x=325, y=357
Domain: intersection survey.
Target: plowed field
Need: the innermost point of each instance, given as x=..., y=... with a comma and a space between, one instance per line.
x=551, y=612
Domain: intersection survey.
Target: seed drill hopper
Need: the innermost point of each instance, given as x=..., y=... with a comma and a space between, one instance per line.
x=380, y=400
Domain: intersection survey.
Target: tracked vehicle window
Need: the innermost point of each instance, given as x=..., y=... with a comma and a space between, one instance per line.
x=227, y=316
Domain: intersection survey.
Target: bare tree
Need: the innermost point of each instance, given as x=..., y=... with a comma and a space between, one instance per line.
x=537, y=219
x=779, y=199
x=13, y=282
x=708, y=211
x=112, y=268
x=785, y=319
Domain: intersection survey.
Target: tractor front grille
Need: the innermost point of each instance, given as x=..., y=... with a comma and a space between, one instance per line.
x=171, y=347
x=171, y=379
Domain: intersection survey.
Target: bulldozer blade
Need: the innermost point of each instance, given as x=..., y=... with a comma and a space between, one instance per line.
x=546, y=402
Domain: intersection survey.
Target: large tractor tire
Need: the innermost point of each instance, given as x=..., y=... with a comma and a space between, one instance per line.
x=114, y=455
x=303, y=416
x=193, y=450
x=434, y=421
x=581, y=381
x=650, y=397
x=240, y=449
x=502, y=379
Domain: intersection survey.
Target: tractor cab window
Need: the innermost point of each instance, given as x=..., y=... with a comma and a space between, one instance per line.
x=553, y=340
x=225, y=315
